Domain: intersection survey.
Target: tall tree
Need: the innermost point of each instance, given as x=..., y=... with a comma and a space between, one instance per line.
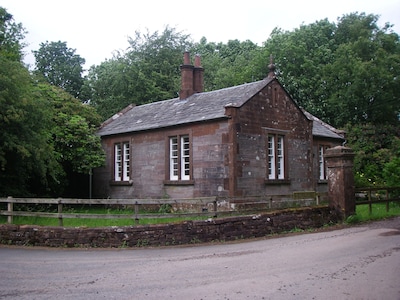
x=46, y=135
x=363, y=78
x=391, y=170
x=148, y=71
x=300, y=57
x=11, y=36
x=375, y=145
x=230, y=64
x=47, y=138
x=24, y=152
x=76, y=147
x=344, y=72
x=60, y=66
x=347, y=74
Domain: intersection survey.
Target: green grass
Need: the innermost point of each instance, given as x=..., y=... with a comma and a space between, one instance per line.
x=82, y=222
x=378, y=212
x=362, y=215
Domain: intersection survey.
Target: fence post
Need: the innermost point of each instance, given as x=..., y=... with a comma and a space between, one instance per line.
x=136, y=212
x=369, y=202
x=387, y=200
x=341, y=190
x=10, y=208
x=215, y=207
x=59, y=210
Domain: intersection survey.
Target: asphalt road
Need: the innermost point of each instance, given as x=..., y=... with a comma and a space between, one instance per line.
x=360, y=262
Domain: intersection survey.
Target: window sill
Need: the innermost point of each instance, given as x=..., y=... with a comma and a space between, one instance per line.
x=276, y=181
x=178, y=182
x=121, y=183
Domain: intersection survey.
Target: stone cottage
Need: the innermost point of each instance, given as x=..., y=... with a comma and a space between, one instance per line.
x=246, y=140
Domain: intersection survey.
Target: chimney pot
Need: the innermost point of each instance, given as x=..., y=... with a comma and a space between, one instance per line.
x=198, y=78
x=191, y=76
x=197, y=61
x=186, y=58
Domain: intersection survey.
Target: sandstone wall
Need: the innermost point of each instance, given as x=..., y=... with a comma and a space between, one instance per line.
x=187, y=232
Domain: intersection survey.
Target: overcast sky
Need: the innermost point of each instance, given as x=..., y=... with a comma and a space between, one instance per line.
x=97, y=28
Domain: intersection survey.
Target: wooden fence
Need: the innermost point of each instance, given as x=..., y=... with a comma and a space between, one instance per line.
x=205, y=206
x=371, y=195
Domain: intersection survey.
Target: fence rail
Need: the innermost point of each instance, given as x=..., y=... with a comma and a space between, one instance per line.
x=372, y=195
x=136, y=203
x=209, y=206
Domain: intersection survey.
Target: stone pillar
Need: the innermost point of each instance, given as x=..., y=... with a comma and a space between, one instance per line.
x=341, y=190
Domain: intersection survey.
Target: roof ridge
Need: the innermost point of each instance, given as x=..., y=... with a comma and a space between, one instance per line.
x=117, y=115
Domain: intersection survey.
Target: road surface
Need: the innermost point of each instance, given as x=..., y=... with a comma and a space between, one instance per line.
x=360, y=262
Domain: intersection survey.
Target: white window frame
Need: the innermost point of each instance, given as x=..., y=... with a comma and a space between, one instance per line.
x=173, y=158
x=276, y=157
x=271, y=157
x=179, y=157
x=185, y=157
x=322, y=171
x=280, y=158
x=122, y=161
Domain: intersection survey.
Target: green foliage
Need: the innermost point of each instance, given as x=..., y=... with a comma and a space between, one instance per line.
x=73, y=130
x=60, y=66
x=165, y=208
x=346, y=73
x=230, y=64
x=353, y=219
x=11, y=36
x=343, y=73
x=45, y=135
x=300, y=57
x=26, y=159
x=113, y=85
x=148, y=71
x=338, y=75
x=364, y=73
x=377, y=149
x=25, y=154
x=391, y=170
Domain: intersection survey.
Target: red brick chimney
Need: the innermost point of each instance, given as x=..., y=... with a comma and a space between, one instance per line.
x=191, y=77
x=198, y=75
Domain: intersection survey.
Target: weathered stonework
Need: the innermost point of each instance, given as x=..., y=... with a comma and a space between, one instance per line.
x=188, y=232
x=229, y=131
x=339, y=161
x=228, y=157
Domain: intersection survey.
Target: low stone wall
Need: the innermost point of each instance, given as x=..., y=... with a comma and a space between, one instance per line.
x=187, y=232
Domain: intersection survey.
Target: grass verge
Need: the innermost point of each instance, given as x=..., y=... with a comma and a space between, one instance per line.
x=378, y=212
x=88, y=222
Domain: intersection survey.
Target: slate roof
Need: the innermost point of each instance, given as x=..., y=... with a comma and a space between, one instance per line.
x=322, y=129
x=196, y=108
